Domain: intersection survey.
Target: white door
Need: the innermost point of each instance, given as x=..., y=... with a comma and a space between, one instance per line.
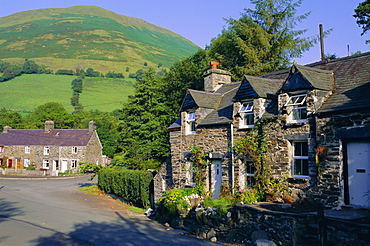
x=64, y=166
x=216, y=178
x=359, y=173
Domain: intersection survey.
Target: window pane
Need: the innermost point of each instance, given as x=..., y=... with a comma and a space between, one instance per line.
x=249, y=119
x=300, y=167
x=191, y=116
x=304, y=146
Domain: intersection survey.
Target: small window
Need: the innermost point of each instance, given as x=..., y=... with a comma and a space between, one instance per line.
x=246, y=115
x=46, y=150
x=45, y=163
x=300, y=159
x=74, y=150
x=26, y=162
x=27, y=149
x=297, y=109
x=296, y=100
x=190, y=123
x=74, y=163
x=1, y=149
x=249, y=173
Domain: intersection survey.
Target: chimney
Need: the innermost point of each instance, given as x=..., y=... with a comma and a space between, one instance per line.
x=6, y=129
x=214, y=78
x=49, y=125
x=322, y=42
x=92, y=126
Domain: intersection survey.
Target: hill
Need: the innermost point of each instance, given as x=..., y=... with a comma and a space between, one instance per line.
x=89, y=36
x=31, y=90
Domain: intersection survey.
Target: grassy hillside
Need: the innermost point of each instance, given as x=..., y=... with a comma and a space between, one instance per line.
x=26, y=92
x=80, y=36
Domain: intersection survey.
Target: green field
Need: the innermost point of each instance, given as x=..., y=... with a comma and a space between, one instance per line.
x=26, y=92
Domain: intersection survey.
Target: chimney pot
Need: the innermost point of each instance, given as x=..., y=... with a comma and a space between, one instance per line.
x=214, y=64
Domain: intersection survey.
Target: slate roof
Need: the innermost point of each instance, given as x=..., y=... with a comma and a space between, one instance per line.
x=307, y=78
x=257, y=87
x=352, y=81
x=223, y=114
x=56, y=137
x=194, y=99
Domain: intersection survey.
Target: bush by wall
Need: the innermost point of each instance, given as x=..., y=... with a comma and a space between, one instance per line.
x=131, y=185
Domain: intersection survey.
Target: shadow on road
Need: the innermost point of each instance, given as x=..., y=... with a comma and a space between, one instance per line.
x=123, y=231
x=7, y=211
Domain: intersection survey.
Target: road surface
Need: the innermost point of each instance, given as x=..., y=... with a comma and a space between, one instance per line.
x=53, y=212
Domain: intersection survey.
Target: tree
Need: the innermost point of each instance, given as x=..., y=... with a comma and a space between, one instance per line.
x=30, y=67
x=49, y=111
x=144, y=128
x=363, y=17
x=262, y=40
x=10, y=118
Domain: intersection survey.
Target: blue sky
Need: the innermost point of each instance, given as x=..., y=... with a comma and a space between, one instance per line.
x=201, y=20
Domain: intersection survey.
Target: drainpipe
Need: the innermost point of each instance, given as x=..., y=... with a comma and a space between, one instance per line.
x=232, y=157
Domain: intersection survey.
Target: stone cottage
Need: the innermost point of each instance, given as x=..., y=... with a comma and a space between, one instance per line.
x=318, y=131
x=49, y=150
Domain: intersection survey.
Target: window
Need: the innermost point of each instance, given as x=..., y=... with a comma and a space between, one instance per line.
x=1, y=149
x=27, y=149
x=46, y=150
x=26, y=162
x=300, y=159
x=297, y=109
x=190, y=123
x=74, y=150
x=246, y=115
x=45, y=163
x=74, y=163
x=249, y=173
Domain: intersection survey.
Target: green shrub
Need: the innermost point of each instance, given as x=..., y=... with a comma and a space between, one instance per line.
x=131, y=185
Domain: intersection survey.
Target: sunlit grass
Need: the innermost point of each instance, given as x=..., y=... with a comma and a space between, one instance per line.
x=94, y=190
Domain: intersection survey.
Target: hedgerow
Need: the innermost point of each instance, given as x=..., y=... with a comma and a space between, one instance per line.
x=131, y=185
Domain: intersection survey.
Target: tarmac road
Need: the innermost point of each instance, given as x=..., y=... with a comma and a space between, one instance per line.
x=53, y=212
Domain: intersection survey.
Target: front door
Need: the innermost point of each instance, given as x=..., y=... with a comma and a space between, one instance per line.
x=64, y=166
x=359, y=173
x=18, y=164
x=216, y=178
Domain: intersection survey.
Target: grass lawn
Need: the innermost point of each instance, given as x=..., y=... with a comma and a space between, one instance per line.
x=93, y=189
x=25, y=93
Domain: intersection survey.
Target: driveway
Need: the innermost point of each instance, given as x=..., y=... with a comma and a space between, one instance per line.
x=53, y=212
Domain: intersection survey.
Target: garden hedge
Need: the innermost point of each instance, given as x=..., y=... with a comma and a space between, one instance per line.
x=131, y=185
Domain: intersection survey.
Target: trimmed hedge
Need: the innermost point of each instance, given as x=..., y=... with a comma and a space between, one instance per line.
x=131, y=185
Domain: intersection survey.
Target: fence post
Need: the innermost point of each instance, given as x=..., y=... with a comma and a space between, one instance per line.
x=321, y=225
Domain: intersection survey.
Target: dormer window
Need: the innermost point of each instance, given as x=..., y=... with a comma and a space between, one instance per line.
x=190, y=122
x=297, y=109
x=246, y=115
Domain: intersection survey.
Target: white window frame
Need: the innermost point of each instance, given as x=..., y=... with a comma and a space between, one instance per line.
x=46, y=150
x=26, y=162
x=300, y=158
x=1, y=149
x=74, y=150
x=295, y=103
x=27, y=149
x=45, y=163
x=190, y=123
x=249, y=174
x=74, y=163
x=245, y=111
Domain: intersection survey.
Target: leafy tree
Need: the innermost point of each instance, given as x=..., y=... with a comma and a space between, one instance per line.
x=49, y=111
x=363, y=17
x=91, y=73
x=64, y=72
x=30, y=67
x=262, y=40
x=144, y=128
x=10, y=118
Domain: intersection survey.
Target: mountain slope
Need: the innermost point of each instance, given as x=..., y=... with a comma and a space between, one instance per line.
x=89, y=33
